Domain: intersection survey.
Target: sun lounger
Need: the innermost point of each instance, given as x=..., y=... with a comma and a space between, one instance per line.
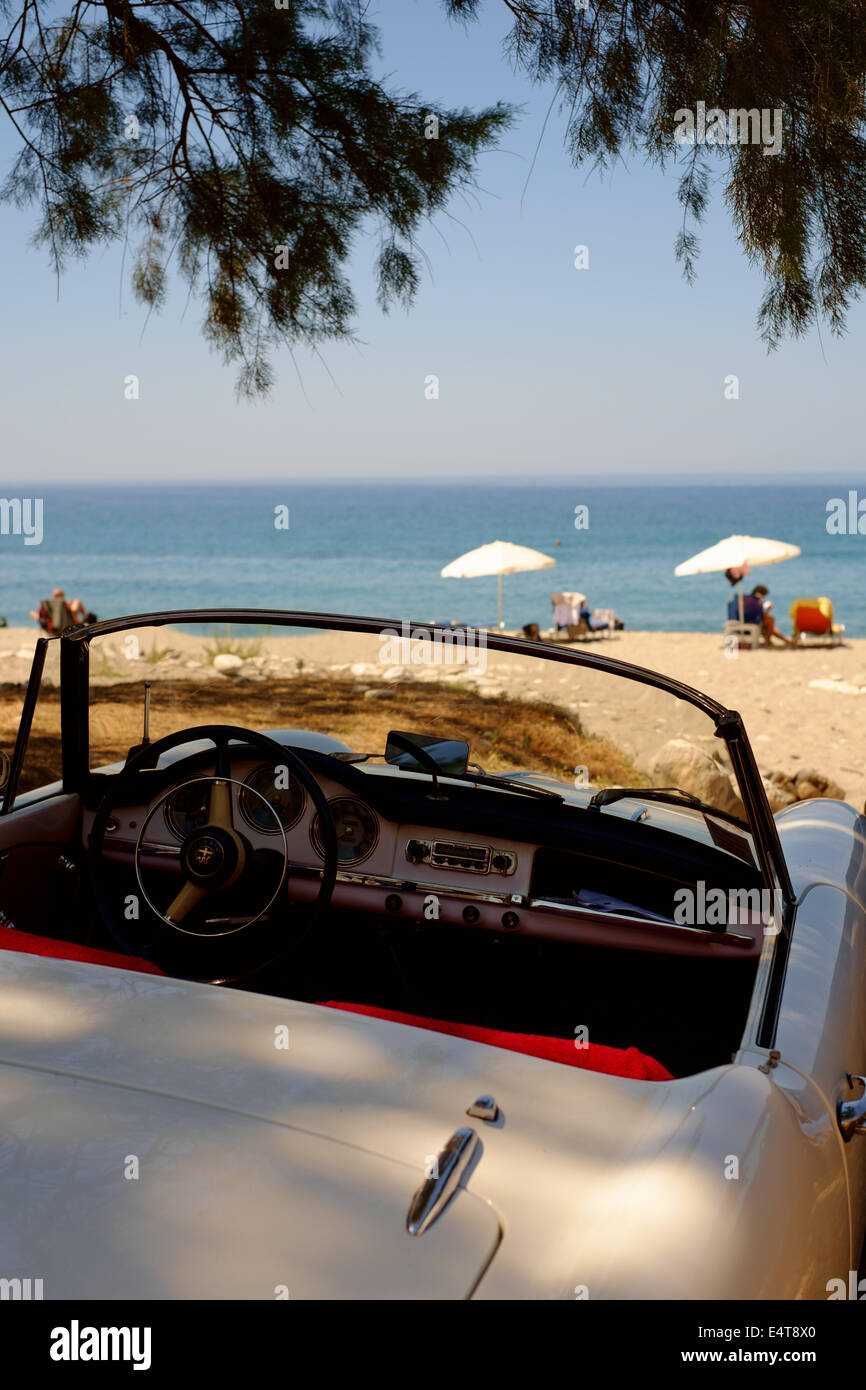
x=813, y=623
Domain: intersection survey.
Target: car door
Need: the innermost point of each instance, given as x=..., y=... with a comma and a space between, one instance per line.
x=40, y=855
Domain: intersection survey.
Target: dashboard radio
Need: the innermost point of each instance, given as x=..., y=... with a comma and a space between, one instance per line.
x=468, y=858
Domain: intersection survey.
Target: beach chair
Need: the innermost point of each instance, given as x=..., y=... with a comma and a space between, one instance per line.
x=744, y=620
x=54, y=615
x=570, y=618
x=813, y=623
x=567, y=609
x=748, y=635
x=605, y=621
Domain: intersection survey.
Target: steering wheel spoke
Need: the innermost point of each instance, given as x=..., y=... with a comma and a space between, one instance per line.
x=220, y=804
x=183, y=902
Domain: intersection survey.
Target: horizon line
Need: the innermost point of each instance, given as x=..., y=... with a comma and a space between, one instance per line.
x=713, y=479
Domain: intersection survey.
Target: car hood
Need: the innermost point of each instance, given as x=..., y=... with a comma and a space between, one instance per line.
x=167, y=1139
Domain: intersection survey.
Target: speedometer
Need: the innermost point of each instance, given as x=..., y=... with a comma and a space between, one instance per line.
x=357, y=830
x=281, y=789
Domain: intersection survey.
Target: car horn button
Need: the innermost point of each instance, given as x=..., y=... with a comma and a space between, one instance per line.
x=209, y=855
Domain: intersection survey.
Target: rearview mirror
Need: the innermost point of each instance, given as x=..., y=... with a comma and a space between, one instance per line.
x=449, y=754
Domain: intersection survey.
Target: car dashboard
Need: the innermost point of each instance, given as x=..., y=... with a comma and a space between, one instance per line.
x=451, y=852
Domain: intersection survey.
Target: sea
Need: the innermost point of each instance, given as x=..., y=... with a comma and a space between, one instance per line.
x=376, y=548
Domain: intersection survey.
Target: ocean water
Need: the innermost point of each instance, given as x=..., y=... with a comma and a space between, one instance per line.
x=377, y=548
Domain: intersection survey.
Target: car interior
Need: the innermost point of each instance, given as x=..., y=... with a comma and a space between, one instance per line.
x=407, y=881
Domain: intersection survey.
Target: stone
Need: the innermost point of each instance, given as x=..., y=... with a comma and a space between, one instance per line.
x=380, y=694
x=682, y=764
x=227, y=662
x=783, y=789
x=778, y=796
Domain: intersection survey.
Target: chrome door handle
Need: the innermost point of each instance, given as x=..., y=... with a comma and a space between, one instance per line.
x=436, y=1192
x=851, y=1114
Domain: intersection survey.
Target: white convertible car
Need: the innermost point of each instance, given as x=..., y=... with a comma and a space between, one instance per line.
x=340, y=976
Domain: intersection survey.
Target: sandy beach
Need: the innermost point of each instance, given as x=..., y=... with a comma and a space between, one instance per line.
x=804, y=708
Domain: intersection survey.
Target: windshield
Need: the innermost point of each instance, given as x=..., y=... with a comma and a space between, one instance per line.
x=583, y=729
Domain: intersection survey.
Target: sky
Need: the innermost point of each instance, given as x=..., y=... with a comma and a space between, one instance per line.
x=543, y=369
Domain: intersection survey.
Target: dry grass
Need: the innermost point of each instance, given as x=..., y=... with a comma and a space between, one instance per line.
x=503, y=734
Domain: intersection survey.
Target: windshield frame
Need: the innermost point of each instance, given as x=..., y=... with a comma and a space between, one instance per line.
x=75, y=693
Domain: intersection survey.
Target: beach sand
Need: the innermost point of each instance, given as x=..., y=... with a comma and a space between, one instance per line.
x=804, y=708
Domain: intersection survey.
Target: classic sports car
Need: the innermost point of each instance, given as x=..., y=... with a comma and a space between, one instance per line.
x=311, y=990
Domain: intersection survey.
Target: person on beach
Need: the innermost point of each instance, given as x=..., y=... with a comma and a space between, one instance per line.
x=756, y=609
x=53, y=613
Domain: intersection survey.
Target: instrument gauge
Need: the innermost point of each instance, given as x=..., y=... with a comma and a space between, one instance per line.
x=357, y=830
x=188, y=808
x=281, y=789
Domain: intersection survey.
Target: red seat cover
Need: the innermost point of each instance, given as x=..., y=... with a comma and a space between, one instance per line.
x=615, y=1061
x=13, y=940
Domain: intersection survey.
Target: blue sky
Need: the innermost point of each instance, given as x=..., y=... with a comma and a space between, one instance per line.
x=543, y=369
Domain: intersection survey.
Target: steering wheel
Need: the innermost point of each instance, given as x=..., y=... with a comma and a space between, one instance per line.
x=212, y=856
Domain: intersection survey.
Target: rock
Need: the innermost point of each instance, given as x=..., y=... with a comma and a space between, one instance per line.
x=783, y=789
x=839, y=686
x=682, y=764
x=226, y=662
x=778, y=797
x=380, y=694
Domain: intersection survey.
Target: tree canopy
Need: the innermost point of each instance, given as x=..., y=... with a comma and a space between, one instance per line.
x=250, y=143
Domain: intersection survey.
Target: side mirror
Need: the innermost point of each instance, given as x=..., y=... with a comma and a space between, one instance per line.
x=5, y=768
x=450, y=755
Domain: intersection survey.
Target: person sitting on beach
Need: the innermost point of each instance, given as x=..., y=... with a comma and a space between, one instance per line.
x=58, y=612
x=756, y=610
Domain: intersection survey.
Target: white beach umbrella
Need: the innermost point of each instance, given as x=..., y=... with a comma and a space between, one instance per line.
x=499, y=557
x=735, y=552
